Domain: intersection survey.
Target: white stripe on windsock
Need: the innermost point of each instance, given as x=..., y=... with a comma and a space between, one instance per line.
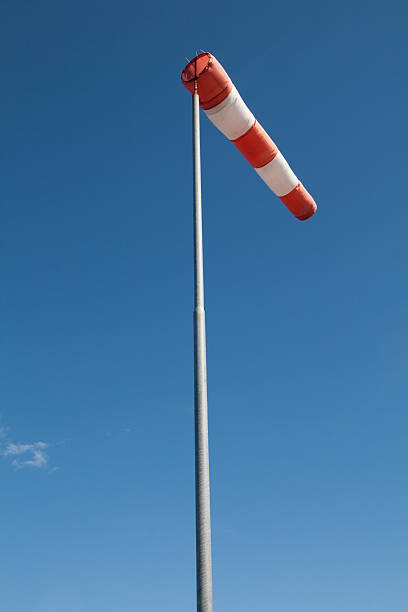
x=278, y=175
x=231, y=116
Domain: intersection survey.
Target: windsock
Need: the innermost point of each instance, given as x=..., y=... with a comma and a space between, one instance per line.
x=223, y=105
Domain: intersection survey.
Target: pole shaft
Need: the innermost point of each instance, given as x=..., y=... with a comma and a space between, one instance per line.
x=202, y=471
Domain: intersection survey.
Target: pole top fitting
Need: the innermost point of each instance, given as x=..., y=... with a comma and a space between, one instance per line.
x=195, y=75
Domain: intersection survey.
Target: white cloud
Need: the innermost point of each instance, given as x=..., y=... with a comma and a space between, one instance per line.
x=17, y=449
x=25, y=455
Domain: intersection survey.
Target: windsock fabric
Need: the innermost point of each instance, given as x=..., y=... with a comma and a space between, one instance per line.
x=223, y=105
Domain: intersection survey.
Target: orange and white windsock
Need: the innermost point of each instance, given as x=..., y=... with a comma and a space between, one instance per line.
x=223, y=105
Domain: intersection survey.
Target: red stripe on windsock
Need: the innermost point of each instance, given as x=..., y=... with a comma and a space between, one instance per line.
x=213, y=83
x=256, y=146
x=300, y=203
x=229, y=113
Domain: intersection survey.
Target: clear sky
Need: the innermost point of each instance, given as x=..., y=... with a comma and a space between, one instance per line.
x=307, y=323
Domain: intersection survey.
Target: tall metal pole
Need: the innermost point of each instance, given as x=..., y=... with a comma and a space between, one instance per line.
x=202, y=470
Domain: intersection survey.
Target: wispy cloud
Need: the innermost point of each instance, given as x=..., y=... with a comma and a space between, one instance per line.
x=32, y=455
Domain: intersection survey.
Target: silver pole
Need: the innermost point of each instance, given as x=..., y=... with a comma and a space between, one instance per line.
x=202, y=470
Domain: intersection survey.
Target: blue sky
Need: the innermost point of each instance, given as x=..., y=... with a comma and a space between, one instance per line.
x=306, y=321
